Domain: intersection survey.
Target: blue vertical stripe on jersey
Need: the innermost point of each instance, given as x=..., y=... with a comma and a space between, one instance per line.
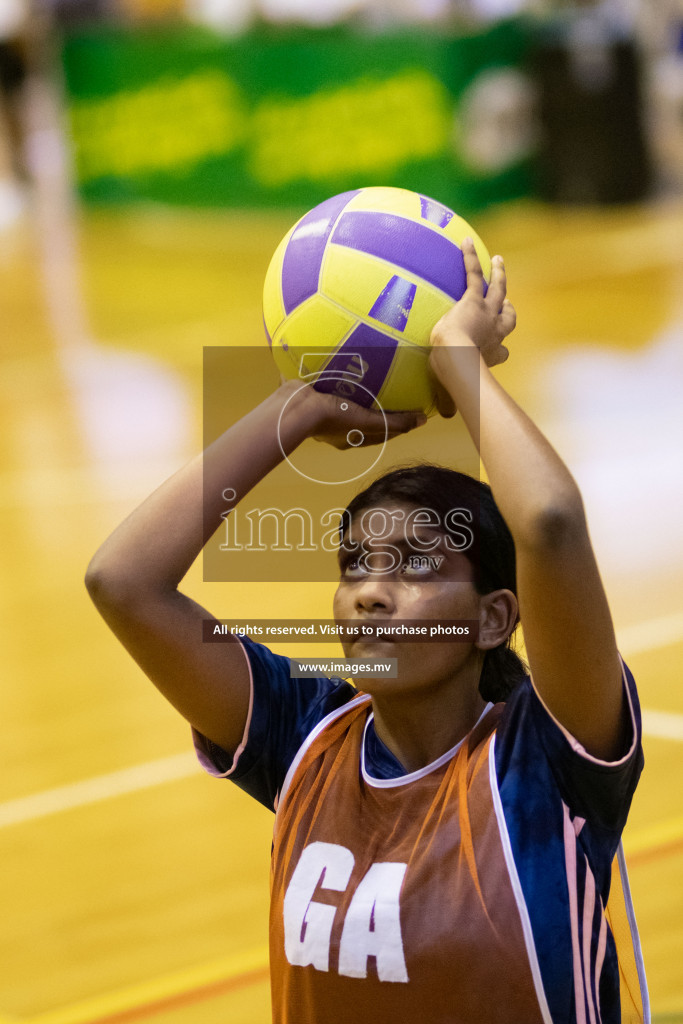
x=517, y=888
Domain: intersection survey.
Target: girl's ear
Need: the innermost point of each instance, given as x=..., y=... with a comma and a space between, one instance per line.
x=498, y=614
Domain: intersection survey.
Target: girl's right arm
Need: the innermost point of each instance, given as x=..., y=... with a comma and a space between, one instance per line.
x=133, y=578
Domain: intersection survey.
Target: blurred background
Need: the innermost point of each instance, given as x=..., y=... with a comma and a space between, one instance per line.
x=152, y=155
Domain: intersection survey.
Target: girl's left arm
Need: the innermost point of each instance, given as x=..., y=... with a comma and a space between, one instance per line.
x=567, y=624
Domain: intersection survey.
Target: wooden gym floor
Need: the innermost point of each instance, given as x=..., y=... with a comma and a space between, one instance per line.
x=133, y=887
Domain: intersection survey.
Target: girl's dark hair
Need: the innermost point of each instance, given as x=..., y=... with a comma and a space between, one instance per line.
x=492, y=552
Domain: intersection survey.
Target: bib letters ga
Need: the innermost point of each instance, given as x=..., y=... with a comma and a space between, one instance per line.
x=372, y=925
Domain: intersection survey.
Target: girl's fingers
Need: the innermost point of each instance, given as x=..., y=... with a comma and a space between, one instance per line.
x=495, y=296
x=348, y=425
x=475, y=275
x=508, y=317
x=400, y=422
x=371, y=427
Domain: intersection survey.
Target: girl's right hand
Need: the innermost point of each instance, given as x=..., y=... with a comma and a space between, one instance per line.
x=341, y=422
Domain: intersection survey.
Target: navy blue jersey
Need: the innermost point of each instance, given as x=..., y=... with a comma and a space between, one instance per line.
x=558, y=814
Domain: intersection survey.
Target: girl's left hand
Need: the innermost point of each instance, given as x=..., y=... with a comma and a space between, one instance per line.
x=478, y=318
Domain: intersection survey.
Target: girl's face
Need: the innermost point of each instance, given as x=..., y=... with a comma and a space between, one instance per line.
x=397, y=563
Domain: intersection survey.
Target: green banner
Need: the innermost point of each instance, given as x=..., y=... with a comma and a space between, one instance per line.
x=289, y=118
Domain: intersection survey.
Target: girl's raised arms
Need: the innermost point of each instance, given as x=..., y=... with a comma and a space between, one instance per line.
x=567, y=625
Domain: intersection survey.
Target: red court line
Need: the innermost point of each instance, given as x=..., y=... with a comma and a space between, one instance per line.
x=192, y=996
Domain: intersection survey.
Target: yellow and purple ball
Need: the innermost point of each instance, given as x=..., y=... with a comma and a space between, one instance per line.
x=354, y=289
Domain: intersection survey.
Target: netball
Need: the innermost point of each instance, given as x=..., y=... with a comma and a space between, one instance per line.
x=354, y=289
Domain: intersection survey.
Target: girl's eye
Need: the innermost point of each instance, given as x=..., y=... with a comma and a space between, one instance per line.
x=417, y=567
x=412, y=568
x=353, y=569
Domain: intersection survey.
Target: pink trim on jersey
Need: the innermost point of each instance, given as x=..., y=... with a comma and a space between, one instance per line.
x=200, y=741
x=588, y=910
x=600, y=958
x=404, y=780
x=570, y=865
x=361, y=699
x=581, y=750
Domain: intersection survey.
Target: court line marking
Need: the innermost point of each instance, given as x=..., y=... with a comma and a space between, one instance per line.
x=634, y=639
x=665, y=725
x=647, y=636
x=159, y=992
x=97, y=788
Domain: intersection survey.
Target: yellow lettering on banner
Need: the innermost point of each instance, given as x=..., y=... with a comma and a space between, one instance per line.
x=170, y=125
x=363, y=127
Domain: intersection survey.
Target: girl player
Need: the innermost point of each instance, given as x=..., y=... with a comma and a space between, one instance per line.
x=444, y=840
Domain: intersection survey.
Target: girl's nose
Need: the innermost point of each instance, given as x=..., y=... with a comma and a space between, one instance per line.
x=376, y=594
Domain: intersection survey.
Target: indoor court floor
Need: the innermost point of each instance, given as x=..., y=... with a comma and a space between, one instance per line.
x=133, y=887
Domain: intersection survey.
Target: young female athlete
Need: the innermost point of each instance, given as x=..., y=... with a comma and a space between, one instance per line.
x=444, y=840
